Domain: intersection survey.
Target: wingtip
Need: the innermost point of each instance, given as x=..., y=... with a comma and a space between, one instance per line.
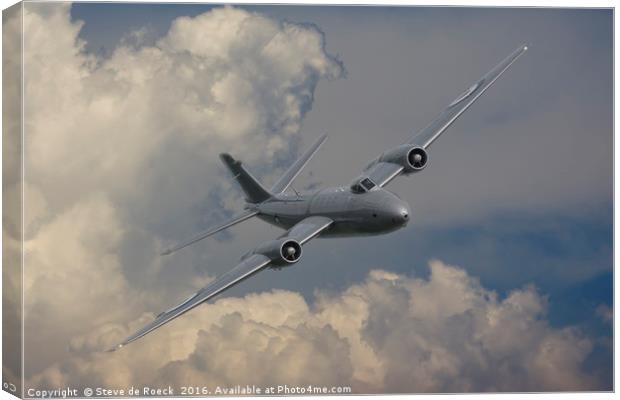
x=227, y=158
x=113, y=349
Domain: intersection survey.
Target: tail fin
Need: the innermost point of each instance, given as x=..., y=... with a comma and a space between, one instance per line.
x=285, y=181
x=254, y=191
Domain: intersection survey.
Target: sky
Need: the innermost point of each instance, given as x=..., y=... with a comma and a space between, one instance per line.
x=501, y=282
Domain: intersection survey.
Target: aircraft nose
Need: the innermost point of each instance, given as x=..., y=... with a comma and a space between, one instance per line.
x=405, y=214
x=400, y=214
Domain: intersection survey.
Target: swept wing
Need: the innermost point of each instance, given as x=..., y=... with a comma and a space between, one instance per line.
x=245, y=269
x=308, y=229
x=381, y=173
x=302, y=232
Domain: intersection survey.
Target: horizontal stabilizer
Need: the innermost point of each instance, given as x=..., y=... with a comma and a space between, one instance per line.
x=285, y=181
x=212, y=231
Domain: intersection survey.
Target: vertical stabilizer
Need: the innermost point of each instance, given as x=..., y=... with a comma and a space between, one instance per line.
x=254, y=191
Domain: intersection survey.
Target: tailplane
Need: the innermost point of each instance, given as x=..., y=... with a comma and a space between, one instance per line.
x=211, y=231
x=254, y=191
x=285, y=181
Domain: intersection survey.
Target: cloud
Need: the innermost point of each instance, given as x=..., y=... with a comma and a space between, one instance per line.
x=120, y=152
x=605, y=313
x=11, y=194
x=389, y=333
x=227, y=77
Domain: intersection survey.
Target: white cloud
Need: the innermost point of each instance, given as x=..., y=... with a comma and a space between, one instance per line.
x=238, y=85
x=390, y=333
x=116, y=145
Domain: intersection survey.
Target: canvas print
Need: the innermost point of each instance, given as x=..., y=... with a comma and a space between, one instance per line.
x=210, y=199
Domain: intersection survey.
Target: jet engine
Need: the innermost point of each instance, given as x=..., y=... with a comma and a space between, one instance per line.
x=282, y=252
x=413, y=159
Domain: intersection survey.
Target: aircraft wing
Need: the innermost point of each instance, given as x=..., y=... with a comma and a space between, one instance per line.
x=427, y=136
x=304, y=231
x=308, y=229
x=245, y=269
x=382, y=173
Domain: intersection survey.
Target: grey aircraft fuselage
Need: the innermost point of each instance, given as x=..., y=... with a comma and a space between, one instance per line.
x=374, y=212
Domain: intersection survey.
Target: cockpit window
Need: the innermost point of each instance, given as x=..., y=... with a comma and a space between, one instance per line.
x=368, y=184
x=364, y=186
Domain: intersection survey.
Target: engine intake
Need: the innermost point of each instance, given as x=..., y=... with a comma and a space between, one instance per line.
x=417, y=157
x=412, y=158
x=281, y=252
x=290, y=251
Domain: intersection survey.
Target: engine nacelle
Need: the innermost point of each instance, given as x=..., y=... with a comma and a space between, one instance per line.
x=412, y=158
x=281, y=252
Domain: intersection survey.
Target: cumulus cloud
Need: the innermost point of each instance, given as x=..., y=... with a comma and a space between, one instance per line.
x=228, y=78
x=120, y=152
x=11, y=194
x=389, y=333
x=605, y=313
